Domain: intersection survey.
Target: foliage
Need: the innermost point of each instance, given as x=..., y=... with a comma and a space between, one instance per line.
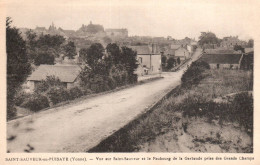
x=250, y=43
x=75, y=92
x=208, y=38
x=130, y=63
x=45, y=85
x=239, y=110
x=170, y=63
x=44, y=48
x=94, y=81
x=36, y=102
x=20, y=97
x=119, y=74
x=239, y=47
x=18, y=67
x=194, y=73
x=70, y=50
x=44, y=58
x=58, y=94
x=178, y=60
x=164, y=59
x=93, y=54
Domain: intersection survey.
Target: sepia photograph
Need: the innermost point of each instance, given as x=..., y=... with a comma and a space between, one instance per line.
x=130, y=76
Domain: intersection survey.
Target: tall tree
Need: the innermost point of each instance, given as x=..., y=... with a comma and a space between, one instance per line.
x=94, y=54
x=18, y=67
x=130, y=62
x=70, y=50
x=114, y=53
x=208, y=38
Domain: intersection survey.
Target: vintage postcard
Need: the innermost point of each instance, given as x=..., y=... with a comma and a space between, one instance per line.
x=129, y=82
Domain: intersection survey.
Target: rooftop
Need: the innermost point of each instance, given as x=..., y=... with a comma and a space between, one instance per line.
x=66, y=73
x=221, y=58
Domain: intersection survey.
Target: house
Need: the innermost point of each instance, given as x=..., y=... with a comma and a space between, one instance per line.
x=68, y=75
x=182, y=53
x=117, y=32
x=230, y=42
x=149, y=59
x=223, y=61
x=221, y=51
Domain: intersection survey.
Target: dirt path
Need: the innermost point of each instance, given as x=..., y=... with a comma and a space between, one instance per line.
x=80, y=126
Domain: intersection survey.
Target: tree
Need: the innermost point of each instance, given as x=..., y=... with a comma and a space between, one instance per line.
x=208, y=38
x=164, y=59
x=70, y=50
x=179, y=60
x=239, y=47
x=114, y=53
x=130, y=62
x=170, y=63
x=94, y=54
x=18, y=67
x=250, y=43
x=44, y=58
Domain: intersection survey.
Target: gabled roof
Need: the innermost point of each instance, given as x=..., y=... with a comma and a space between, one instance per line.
x=66, y=73
x=221, y=51
x=221, y=58
x=144, y=49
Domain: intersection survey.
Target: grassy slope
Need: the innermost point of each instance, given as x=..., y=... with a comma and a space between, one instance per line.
x=167, y=129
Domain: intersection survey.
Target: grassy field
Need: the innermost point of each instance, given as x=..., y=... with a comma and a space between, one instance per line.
x=216, y=115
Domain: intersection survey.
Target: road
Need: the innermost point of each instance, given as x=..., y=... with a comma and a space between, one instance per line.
x=79, y=126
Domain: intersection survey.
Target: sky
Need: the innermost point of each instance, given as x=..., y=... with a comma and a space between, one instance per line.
x=176, y=18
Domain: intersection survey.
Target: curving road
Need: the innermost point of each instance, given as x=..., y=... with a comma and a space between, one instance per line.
x=80, y=126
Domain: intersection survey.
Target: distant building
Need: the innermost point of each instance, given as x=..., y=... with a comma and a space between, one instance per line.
x=230, y=42
x=182, y=53
x=117, y=32
x=223, y=61
x=68, y=75
x=149, y=59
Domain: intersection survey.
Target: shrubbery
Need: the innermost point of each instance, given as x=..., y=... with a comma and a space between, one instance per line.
x=75, y=93
x=36, y=102
x=194, y=73
x=21, y=97
x=239, y=110
x=57, y=95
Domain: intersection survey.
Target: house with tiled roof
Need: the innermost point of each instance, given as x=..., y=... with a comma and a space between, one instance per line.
x=149, y=59
x=182, y=53
x=67, y=74
x=223, y=61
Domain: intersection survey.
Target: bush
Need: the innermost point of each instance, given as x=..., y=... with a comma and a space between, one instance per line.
x=119, y=75
x=21, y=97
x=58, y=94
x=75, y=93
x=194, y=74
x=239, y=110
x=50, y=81
x=36, y=102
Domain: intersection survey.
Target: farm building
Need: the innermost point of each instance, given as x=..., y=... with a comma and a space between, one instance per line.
x=68, y=75
x=223, y=61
